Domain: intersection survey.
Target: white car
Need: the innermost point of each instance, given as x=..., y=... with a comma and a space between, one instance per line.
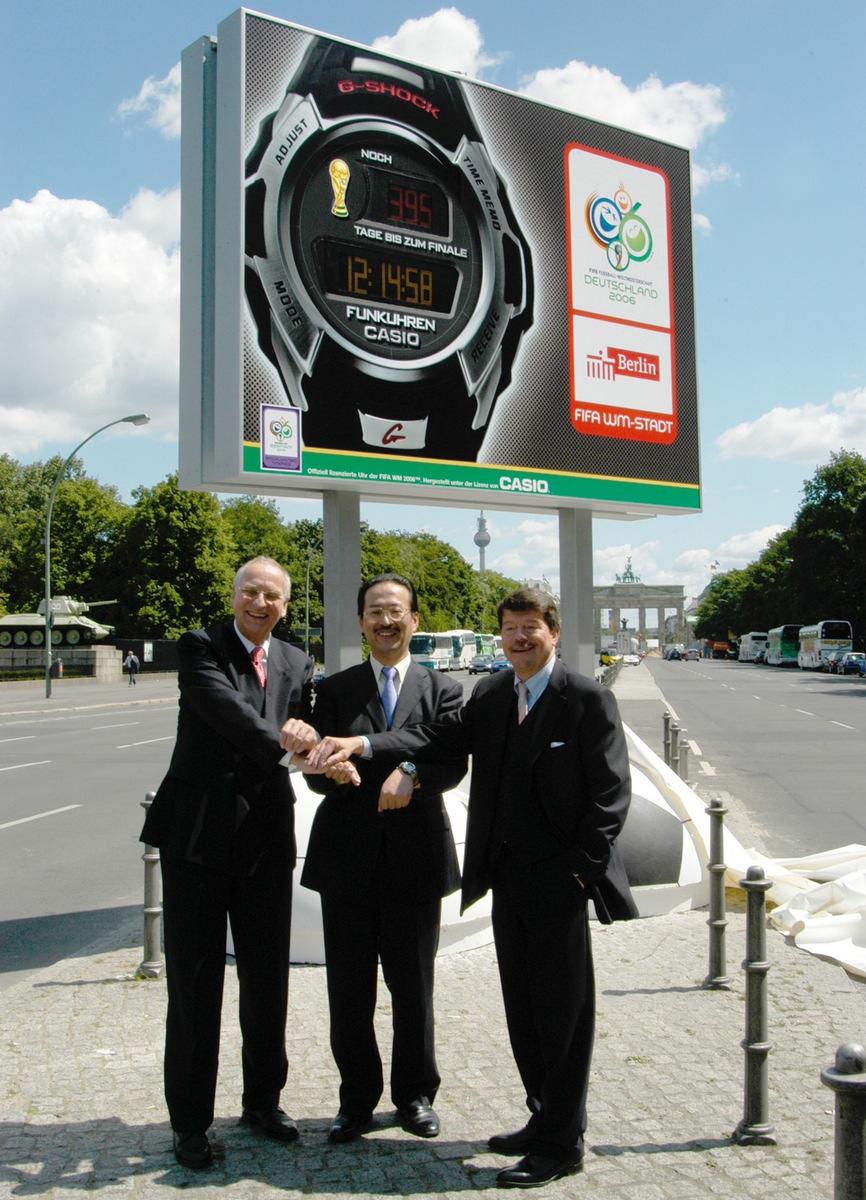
x=631, y=660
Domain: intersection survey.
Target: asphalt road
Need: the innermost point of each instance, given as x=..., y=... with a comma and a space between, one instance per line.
x=73, y=774
x=788, y=745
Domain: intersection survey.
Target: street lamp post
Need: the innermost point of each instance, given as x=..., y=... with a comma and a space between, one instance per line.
x=138, y=419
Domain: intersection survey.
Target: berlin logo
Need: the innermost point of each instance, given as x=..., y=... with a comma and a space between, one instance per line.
x=622, y=363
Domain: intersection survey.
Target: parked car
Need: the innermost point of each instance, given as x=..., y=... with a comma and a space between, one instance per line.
x=833, y=661
x=500, y=663
x=607, y=658
x=480, y=664
x=631, y=660
x=852, y=663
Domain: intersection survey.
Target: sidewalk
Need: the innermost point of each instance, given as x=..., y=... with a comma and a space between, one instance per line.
x=81, y=1077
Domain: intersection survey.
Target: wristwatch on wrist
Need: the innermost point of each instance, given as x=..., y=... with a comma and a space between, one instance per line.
x=386, y=273
x=411, y=770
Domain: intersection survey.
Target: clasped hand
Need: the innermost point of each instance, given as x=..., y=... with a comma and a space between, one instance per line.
x=302, y=742
x=333, y=752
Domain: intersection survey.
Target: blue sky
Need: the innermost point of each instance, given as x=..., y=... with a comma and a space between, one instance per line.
x=767, y=95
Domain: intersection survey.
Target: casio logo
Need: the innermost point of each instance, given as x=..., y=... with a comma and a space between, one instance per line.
x=513, y=483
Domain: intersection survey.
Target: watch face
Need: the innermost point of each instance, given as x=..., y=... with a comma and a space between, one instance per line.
x=384, y=238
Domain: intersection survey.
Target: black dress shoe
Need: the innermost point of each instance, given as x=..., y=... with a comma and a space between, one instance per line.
x=273, y=1122
x=345, y=1128
x=192, y=1149
x=513, y=1143
x=536, y=1169
x=419, y=1118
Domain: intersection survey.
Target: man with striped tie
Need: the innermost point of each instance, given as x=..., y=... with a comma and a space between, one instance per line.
x=381, y=876
x=223, y=820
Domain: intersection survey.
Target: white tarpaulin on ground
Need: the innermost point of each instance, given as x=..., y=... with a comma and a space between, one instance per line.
x=820, y=898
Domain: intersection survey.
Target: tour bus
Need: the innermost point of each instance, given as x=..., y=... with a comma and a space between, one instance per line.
x=783, y=644
x=462, y=648
x=819, y=641
x=750, y=644
x=485, y=643
x=432, y=650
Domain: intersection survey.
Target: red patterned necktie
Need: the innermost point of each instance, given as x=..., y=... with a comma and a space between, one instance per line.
x=257, y=654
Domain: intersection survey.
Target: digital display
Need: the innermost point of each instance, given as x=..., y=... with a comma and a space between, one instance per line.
x=389, y=278
x=410, y=203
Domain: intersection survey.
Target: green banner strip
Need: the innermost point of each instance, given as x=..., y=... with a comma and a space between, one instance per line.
x=321, y=465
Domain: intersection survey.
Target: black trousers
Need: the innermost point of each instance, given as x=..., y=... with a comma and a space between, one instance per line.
x=359, y=931
x=541, y=933
x=196, y=903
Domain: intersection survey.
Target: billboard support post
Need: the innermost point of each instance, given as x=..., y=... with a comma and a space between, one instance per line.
x=577, y=639
x=342, y=574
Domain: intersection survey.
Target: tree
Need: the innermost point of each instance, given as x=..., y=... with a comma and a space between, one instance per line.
x=85, y=520
x=255, y=527
x=178, y=562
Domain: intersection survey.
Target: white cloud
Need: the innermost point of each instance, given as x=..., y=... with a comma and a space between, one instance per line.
x=682, y=113
x=743, y=548
x=809, y=433
x=447, y=39
x=158, y=101
x=89, y=310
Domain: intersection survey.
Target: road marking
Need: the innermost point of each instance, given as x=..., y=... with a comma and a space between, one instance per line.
x=18, y=766
x=804, y=711
x=25, y=737
x=148, y=742
x=119, y=725
x=38, y=816
x=695, y=748
x=706, y=769
x=841, y=726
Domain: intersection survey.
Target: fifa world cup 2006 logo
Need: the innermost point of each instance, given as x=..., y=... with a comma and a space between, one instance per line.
x=339, y=182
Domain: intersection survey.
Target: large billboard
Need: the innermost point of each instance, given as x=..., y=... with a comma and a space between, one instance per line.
x=422, y=287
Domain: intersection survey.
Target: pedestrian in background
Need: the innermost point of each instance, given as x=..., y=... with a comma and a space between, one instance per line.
x=131, y=664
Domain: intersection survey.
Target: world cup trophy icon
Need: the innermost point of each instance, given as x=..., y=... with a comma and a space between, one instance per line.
x=339, y=182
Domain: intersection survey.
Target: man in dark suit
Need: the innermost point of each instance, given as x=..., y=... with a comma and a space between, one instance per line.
x=549, y=794
x=223, y=820
x=381, y=877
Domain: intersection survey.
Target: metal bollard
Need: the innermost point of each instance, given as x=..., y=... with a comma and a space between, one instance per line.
x=848, y=1080
x=666, y=723
x=717, y=978
x=755, y=1128
x=152, y=965
x=675, y=747
x=683, y=749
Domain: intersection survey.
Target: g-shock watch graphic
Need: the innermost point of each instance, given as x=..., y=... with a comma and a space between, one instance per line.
x=387, y=276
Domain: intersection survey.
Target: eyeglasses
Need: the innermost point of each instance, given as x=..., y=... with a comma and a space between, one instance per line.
x=395, y=612
x=253, y=593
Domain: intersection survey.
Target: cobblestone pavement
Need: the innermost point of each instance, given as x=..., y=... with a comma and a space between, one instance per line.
x=81, y=1080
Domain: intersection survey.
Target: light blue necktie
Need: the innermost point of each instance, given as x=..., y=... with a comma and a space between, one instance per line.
x=389, y=693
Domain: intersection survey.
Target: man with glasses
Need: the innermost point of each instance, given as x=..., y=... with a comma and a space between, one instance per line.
x=381, y=877
x=224, y=823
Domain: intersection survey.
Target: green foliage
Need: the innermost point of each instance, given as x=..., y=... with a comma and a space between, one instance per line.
x=178, y=562
x=810, y=572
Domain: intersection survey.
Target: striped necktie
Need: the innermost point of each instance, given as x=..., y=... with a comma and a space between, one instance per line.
x=257, y=654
